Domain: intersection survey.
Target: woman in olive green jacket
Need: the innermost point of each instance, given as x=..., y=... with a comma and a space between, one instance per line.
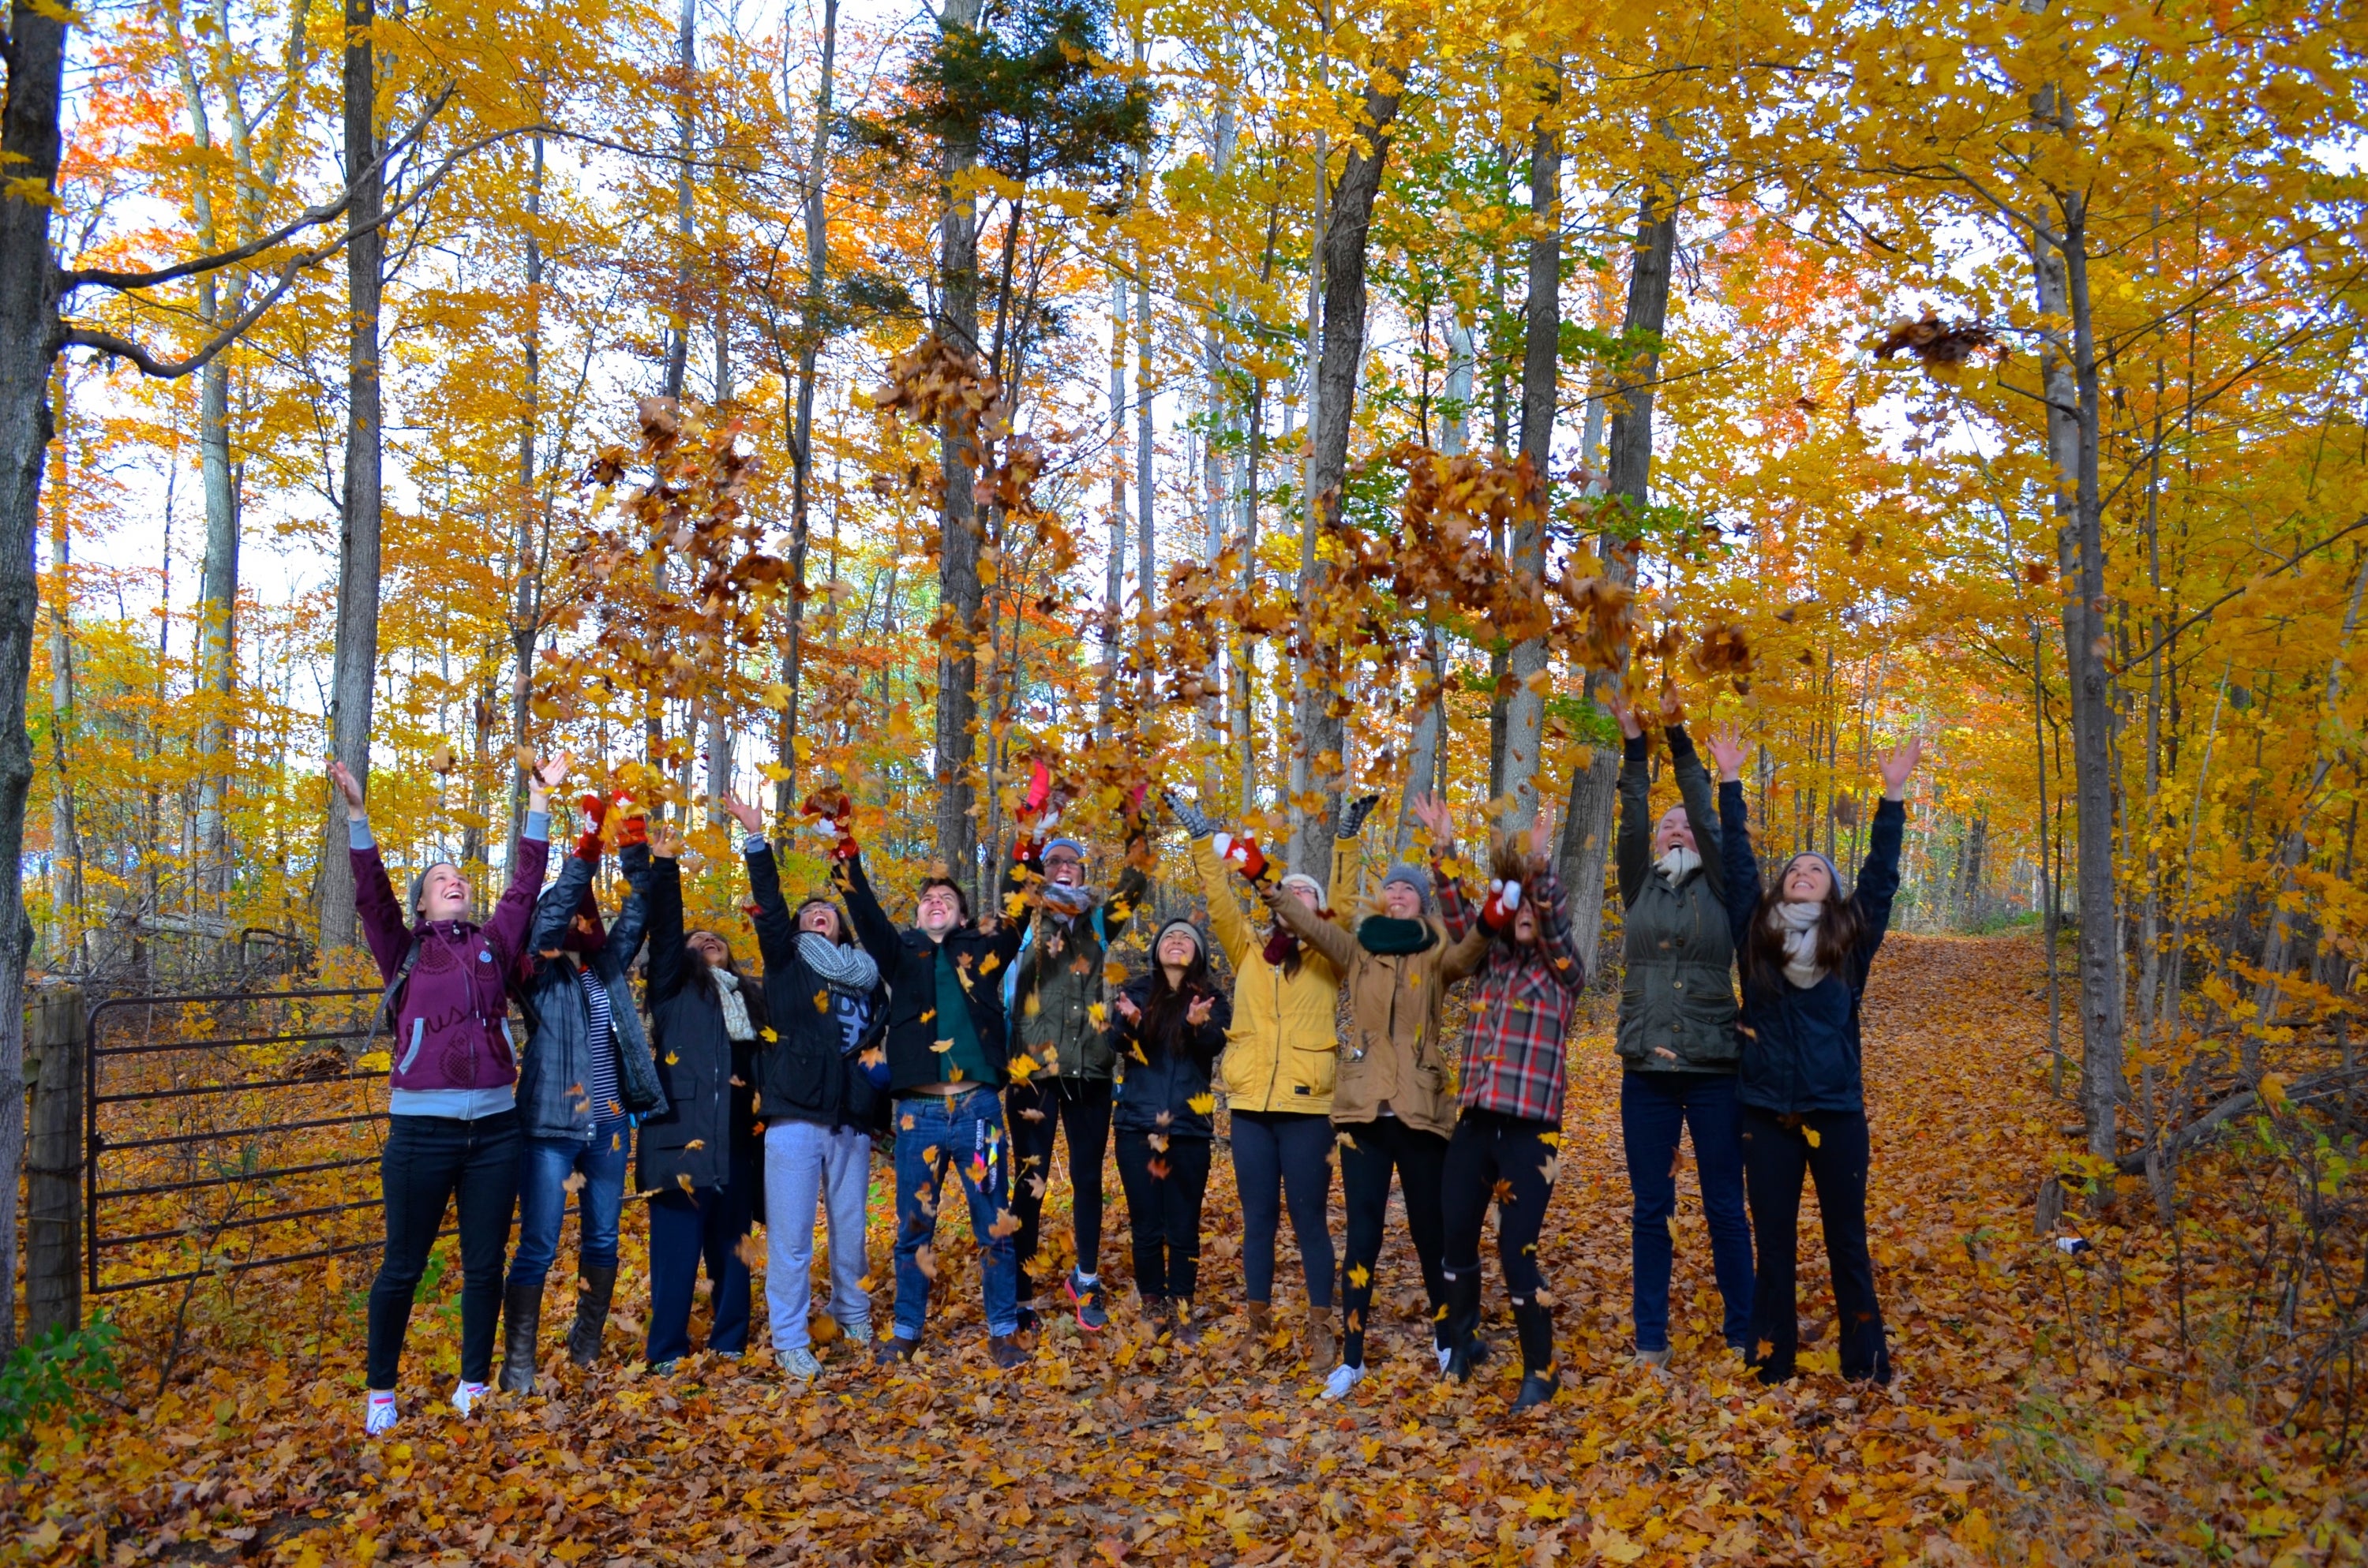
x=1393, y=1100
x=1677, y=1038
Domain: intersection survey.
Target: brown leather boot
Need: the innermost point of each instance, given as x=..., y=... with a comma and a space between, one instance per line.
x=1323, y=1344
x=1260, y=1317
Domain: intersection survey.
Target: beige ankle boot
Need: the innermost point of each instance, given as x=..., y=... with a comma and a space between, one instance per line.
x=1323, y=1346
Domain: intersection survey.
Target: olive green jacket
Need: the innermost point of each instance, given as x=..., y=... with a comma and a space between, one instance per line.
x=1676, y=1002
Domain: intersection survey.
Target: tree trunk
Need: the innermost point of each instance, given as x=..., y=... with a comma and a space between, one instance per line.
x=216, y=672
x=28, y=346
x=525, y=614
x=958, y=586
x=1114, y=587
x=1322, y=710
x=785, y=794
x=678, y=361
x=1525, y=709
x=1587, y=836
x=355, y=666
x=2070, y=385
x=66, y=880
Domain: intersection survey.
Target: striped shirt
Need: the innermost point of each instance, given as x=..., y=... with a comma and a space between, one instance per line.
x=602, y=1035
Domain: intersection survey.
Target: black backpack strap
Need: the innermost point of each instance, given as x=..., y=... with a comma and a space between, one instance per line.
x=391, y=999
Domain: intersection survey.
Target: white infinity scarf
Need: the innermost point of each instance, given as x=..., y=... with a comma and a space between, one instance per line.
x=1677, y=862
x=736, y=1006
x=1798, y=922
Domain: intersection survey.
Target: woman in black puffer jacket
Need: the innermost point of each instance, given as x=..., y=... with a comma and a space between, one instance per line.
x=1171, y=1025
x=698, y=1159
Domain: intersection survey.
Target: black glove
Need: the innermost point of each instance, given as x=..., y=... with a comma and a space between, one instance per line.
x=1353, y=814
x=1195, y=824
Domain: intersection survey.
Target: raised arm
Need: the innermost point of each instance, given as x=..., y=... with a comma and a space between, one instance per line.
x=1633, y=846
x=633, y=916
x=555, y=910
x=1455, y=911
x=1326, y=937
x=384, y=926
x=1348, y=862
x=1741, y=866
x=1226, y=915
x=1701, y=813
x=1461, y=959
x=776, y=937
x=1878, y=879
x=1554, y=908
x=529, y=858
x=669, y=964
x=873, y=926
x=1125, y=898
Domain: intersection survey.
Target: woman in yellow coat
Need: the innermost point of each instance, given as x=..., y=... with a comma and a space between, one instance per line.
x=1280, y=1055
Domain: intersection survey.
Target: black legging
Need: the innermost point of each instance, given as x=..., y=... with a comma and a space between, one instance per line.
x=1488, y=1149
x=1285, y=1158
x=1164, y=1210
x=1369, y=1151
x=1033, y=1112
x=428, y=1163
x=1776, y=1150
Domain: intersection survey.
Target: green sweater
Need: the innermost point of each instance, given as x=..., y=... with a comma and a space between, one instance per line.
x=1677, y=1000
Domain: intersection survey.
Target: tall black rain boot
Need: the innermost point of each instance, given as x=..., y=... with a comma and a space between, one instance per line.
x=1533, y=1321
x=522, y=1330
x=597, y=1285
x=1464, y=1350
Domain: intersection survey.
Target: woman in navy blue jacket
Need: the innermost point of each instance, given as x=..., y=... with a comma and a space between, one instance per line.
x=1806, y=951
x=1170, y=1026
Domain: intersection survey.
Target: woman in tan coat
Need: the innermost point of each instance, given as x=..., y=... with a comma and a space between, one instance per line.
x=1393, y=1105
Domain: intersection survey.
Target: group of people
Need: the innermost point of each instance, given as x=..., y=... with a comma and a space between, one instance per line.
x=975, y=1043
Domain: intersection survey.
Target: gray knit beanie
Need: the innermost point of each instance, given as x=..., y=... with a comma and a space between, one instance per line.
x=1414, y=876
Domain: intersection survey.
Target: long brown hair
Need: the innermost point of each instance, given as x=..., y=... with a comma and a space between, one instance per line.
x=1838, y=929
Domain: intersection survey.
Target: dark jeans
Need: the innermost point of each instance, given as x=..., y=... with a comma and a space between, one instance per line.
x=1489, y=1152
x=1776, y=1150
x=1164, y=1189
x=544, y=1165
x=963, y=1132
x=1656, y=1109
x=1033, y=1113
x=427, y=1162
x=1369, y=1151
x=687, y=1229
x=1280, y=1154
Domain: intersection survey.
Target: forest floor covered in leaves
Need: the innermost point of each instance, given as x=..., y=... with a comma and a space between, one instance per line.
x=1130, y=1451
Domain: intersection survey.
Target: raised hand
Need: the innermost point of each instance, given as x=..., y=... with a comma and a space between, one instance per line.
x=1630, y=725
x=1432, y=812
x=343, y=779
x=1353, y=814
x=1128, y=1010
x=1727, y=748
x=751, y=820
x=1899, y=765
x=665, y=842
x=1198, y=1013
x=1541, y=836
x=1194, y=820
x=547, y=775
x=1672, y=710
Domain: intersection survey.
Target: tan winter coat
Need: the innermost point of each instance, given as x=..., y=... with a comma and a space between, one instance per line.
x=1392, y=1055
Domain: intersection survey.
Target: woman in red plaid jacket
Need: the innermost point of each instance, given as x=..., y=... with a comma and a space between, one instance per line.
x=1510, y=1129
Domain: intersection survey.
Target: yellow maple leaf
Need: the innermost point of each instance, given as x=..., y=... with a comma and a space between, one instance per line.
x=671, y=1058
x=1203, y=1104
x=1359, y=1276
x=1811, y=1135
x=941, y=1046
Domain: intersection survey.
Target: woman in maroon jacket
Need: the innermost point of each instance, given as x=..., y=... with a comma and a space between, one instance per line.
x=454, y=1130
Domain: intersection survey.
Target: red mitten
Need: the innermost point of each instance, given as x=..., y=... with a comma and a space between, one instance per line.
x=1244, y=855
x=588, y=843
x=633, y=825
x=1504, y=902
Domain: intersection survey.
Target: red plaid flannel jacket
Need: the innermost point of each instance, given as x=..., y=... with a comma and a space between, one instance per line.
x=1522, y=1005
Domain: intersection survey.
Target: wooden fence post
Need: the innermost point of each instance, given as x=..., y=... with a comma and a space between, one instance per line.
x=53, y=1164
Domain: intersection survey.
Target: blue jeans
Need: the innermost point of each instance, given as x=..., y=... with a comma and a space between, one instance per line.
x=965, y=1131
x=1283, y=1159
x=687, y=1229
x=806, y=1165
x=1656, y=1108
x=544, y=1165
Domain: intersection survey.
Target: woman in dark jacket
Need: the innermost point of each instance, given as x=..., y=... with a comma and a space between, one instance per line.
x=1807, y=951
x=587, y=1075
x=698, y=1159
x=818, y=1098
x=1677, y=1040
x=1171, y=1025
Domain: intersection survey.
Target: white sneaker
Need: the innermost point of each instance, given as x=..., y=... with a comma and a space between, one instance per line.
x=1344, y=1378
x=377, y=1411
x=1445, y=1356
x=800, y=1363
x=465, y=1396
x=857, y=1333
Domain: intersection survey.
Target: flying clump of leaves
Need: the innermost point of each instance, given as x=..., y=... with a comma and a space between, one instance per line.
x=1939, y=344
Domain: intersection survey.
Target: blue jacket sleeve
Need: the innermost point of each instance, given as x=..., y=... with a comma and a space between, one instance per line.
x=668, y=965
x=1742, y=866
x=1878, y=884
x=632, y=920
